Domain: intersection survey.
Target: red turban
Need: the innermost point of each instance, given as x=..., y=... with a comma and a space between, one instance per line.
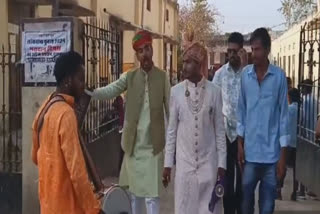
x=141, y=38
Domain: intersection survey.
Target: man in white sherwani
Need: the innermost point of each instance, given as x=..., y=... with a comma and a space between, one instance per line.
x=196, y=134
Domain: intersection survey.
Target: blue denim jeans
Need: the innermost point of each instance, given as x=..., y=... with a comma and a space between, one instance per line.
x=266, y=174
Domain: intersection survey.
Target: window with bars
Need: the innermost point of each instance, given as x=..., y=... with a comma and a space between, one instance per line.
x=293, y=69
x=167, y=15
x=284, y=66
x=149, y=5
x=289, y=66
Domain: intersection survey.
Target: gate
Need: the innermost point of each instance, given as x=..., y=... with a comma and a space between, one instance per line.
x=308, y=149
x=102, y=51
x=10, y=113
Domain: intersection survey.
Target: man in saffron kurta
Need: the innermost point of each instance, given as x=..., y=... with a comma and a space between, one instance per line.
x=64, y=186
x=143, y=137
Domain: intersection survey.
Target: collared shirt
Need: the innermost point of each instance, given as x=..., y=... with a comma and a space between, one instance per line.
x=293, y=121
x=229, y=82
x=64, y=186
x=263, y=114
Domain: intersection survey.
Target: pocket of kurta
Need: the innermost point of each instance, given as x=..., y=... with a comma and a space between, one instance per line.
x=128, y=137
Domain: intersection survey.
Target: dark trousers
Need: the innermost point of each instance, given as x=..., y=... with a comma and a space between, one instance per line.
x=233, y=193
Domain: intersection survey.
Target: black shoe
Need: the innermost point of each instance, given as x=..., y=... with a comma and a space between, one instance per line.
x=301, y=196
x=312, y=195
x=279, y=195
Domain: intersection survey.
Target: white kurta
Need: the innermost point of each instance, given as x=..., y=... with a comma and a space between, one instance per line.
x=200, y=145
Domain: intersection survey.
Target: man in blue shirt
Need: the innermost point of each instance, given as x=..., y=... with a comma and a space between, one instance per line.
x=262, y=126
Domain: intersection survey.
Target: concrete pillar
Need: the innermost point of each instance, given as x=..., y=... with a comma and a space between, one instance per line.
x=175, y=58
x=4, y=40
x=4, y=23
x=32, y=98
x=160, y=52
x=129, y=58
x=43, y=11
x=168, y=56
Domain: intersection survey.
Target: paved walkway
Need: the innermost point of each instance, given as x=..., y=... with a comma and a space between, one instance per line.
x=282, y=207
x=286, y=206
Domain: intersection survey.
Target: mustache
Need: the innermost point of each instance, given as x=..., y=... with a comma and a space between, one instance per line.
x=146, y=59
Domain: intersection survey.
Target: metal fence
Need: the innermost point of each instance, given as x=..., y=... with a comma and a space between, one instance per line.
x=10, y=113
x=307, y=156
x=102, y=51
x=309, y=74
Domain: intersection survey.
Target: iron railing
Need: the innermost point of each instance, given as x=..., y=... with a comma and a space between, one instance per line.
x=102, y=51
x=307, y=156
x=10, y=113
x=308, y=110
x=309, y=70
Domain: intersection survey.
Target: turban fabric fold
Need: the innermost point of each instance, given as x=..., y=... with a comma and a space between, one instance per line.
x=141, y=38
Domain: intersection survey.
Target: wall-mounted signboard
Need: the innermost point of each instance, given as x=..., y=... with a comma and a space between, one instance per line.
x=42, y=43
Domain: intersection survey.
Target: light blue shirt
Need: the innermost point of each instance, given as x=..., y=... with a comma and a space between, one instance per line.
x=262, y=114
x=293, y=122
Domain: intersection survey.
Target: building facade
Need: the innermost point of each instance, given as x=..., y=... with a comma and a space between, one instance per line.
x=286, y=47
x=160, y=17
x=218, y=50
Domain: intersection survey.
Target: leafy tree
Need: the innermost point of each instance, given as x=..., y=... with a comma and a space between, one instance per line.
x=295, y=10
x=200, y=18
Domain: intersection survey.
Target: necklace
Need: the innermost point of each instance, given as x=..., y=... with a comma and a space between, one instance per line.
x=195, y=106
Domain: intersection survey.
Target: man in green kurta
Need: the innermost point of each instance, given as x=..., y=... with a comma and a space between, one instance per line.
x=143, y=137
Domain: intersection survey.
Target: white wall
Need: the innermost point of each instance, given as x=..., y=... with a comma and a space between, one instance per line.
x=152, y=18
x=288, y=45
x=128, y=52
x=32, y=98
x=170, y=25
x=121, y=8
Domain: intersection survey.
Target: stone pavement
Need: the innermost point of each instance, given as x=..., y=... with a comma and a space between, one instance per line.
x=282, y=207
x=286, y=206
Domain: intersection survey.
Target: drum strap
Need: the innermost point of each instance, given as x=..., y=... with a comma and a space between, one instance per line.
x=54, y=99
x=91, y=168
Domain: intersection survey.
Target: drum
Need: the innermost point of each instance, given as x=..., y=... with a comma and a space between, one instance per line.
x=116, y=201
